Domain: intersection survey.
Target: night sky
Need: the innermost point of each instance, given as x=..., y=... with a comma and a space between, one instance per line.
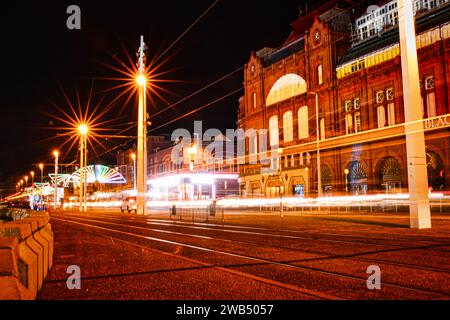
x=40, y=57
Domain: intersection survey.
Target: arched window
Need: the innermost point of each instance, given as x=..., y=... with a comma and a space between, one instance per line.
x=273, y=131
x=288, y=130
x=288, y=86
x=303, y=127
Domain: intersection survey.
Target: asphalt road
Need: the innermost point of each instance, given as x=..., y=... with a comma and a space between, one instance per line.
x=247, y=256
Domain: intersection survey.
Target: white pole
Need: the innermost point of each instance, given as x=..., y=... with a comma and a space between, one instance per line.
x=85, y=174
x=134, y=174
x=319, y=172
x=41, y=166
x=419, y=208
x=81, y=172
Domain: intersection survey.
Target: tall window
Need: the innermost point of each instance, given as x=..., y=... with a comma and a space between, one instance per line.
x=391, y=114
x=273, y=131
x=288, y=130
x=431, y=104
x=322, y=129
x=430, y=96
x=348, y=123
x=352, y=115
x=356, y=103
x=303, y=126
x=381, y=118
x=390, y=106
x=254, y=99
x=385, y=107
x=319, y=74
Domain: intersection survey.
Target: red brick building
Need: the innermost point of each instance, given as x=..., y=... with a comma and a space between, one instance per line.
x=356, y=74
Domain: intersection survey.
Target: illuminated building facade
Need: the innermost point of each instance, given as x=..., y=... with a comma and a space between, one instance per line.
x=199, y=176
x=356, y=74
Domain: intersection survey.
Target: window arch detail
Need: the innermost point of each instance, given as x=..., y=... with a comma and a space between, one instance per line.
x=288, y=86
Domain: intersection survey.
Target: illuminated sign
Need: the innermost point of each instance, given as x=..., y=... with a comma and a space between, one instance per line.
x=437, y=122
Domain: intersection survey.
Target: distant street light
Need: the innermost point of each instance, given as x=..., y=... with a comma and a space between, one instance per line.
x=56, y=155
x=41, y=166
x=26, y=181
x=32, y=177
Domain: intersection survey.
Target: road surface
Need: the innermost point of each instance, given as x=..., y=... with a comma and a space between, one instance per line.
x=247, y=256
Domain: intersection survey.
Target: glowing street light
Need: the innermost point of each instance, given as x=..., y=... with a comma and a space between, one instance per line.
x=193, y=149
x=141, y=80
x=83, y=129
x=26, y=181
x=32, y=177
x=56, y=155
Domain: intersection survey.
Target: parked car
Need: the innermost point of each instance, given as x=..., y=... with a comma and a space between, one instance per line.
x=129, y=204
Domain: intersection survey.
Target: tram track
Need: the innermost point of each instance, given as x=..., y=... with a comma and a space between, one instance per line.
x=327, y=255
x=270, y=232
x=115, y=228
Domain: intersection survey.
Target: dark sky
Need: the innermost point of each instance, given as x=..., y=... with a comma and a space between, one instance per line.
x=39, y=55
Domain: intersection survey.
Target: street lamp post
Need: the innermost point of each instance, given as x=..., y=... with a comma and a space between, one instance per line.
x=142, y=133
x=280, y=152
x=41, y=166
x=319, y=172
x=32, y=177
x=83, y=131
x=56, y=155
x=346, y=188
x=346, y=180
x=133, y=156
x=26, y=181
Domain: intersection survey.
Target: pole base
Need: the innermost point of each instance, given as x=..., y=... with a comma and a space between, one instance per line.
x=419, y=215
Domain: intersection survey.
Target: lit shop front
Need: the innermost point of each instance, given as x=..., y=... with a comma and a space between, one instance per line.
x=193, y=186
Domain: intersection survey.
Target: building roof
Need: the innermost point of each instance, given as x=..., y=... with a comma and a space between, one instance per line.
x=277, y=55
x=424, y=22
x=304, y=23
